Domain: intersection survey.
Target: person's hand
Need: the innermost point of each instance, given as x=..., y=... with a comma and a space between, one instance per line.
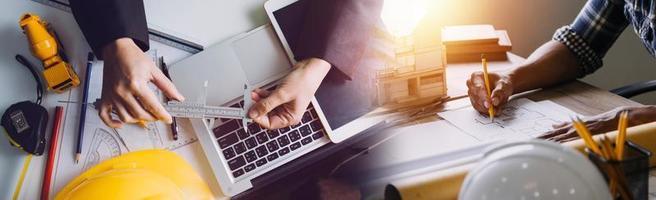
x=286, y=104
x=602, y=123
x=502, y=89
x=127, y=72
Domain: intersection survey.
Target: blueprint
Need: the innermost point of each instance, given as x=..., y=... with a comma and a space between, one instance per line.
x=101, y=142
x=520, y=118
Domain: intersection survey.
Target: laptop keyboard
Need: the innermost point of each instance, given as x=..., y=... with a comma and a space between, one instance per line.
x=250, y=147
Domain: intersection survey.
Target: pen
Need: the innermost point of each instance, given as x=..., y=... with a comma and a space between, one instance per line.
x=490, y=109
x=83, y=107
x=174, y=124
x=47, y=176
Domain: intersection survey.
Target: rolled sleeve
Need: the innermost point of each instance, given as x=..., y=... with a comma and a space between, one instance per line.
x=593, y=32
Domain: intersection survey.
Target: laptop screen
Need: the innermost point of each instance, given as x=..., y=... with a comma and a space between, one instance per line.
x=341, y=100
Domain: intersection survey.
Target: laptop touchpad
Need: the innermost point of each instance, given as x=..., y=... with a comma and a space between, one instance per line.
x=261, y=56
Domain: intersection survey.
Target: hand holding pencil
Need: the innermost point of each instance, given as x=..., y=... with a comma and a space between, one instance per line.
x=501, y=88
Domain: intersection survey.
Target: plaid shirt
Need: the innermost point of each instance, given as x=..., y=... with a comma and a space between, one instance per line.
x=600, y=23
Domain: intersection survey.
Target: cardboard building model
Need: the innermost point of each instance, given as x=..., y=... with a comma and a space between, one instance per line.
x=412, y=74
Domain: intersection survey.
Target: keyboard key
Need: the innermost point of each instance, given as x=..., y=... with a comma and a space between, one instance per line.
x=229, y=153
x=228, y=140
x=306, y=117
x=238, y=173
x=283, y=140
x=283, y=151
x=261, y=162
x=273, y=133
x=284, y=130
x=226, y=128
x=317, y=135
x=242, y=134
x=236, y=163
x=251, y=143
x=250, y=156
x=254, y=128
x=239, y=148
x=249, y=168
x=306, y=140
x=294, y=136
x=314, y=113
x=305, y=130
x=272, y=146
x=296, y=125
x=316, y=125
x=272, y=156
x=261, y=138
x=295, y=146
x=261, y=151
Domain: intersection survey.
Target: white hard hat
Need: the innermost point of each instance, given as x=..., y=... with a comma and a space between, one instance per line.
x=534, y=169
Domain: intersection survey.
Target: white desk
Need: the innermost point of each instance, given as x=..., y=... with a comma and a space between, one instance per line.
x=17, y=85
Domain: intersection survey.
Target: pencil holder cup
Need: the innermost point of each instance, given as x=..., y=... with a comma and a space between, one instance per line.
x=633, y=169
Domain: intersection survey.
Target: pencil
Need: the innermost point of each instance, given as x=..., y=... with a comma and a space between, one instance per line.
x=174, y=124
x=21, y=178
x=142, y=123
x=621, y=136
x=586, y=136
x=490, y=109
x=83, y=108
x=45, y=186
x=607, y=148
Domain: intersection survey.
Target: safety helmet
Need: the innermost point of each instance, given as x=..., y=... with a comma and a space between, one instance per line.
x=148, y=174
x=534, y=169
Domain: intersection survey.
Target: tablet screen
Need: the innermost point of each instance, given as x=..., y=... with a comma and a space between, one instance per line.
x=340, y=99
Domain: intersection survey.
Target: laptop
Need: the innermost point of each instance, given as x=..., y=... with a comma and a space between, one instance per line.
x=239, y=153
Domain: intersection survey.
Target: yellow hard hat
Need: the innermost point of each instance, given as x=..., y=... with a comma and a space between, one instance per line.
x=148, y=174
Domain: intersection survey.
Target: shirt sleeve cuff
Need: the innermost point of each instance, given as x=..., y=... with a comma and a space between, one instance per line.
x=586, y=57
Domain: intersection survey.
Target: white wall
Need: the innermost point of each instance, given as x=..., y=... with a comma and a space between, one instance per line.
x=532, y=22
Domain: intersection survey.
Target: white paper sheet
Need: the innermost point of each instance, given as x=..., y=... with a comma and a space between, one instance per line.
x=520, y=118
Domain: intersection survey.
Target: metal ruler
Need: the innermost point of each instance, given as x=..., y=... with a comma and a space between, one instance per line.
x=153, y=34
x=199, y=111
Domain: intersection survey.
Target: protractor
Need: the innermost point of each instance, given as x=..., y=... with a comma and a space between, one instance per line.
x=103, y=146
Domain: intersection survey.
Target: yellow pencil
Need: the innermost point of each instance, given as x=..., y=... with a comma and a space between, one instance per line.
x=586, y=136
x=21, y=178
x=607, y=148
x=490, y=109
x=621, y=135
x=142, y=123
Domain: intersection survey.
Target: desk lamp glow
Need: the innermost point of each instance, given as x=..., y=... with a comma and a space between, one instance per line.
x=402, y=16
x=414, y=73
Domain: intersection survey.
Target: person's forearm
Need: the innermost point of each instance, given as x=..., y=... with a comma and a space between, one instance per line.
x=551, y=64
